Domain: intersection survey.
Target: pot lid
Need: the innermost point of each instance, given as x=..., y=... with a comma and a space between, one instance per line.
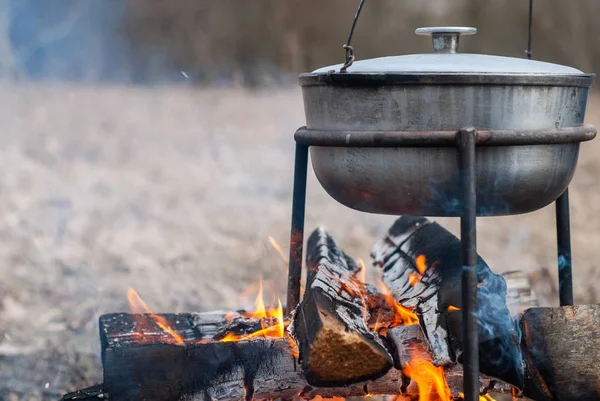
x=446, y=60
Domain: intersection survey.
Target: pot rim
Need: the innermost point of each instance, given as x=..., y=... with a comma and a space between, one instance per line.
x=447, y=78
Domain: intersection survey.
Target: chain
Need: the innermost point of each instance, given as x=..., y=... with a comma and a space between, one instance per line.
x=349, y=49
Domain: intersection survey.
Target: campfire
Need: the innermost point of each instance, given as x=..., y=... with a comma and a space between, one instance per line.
x=346, y=338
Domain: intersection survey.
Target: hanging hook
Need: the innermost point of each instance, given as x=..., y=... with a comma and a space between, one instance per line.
x=349, y=49
x=528, y=51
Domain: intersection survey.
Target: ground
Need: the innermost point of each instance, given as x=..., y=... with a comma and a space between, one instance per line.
x=175, y=191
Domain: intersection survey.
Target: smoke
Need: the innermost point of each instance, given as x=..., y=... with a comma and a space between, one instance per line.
x=497, y=329
x=82, y=41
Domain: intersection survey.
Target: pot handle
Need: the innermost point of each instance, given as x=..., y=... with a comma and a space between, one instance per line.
x=349, y=49
x=445, y=38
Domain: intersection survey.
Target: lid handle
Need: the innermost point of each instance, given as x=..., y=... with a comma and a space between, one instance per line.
x=445, y=38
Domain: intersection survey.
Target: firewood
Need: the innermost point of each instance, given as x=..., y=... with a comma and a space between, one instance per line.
x=422, y=267
x=202, y=369
x=193, y=361
x=336, y=346
x=562, y=352
x=410, y=344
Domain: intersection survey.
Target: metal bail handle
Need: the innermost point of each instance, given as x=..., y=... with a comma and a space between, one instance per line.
x=349, y=49
x=445, y=38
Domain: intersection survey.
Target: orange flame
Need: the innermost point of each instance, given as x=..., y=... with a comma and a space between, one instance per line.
x=430, y=379
x=273, y=316
x=278, y=249
x=421, y=263
x=139, y=308
x=271, y=321
x=413, y=279
x=485, y=397
x=452, y=308
x=403, y=315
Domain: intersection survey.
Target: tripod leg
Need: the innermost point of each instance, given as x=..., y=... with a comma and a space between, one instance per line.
x=297, y=232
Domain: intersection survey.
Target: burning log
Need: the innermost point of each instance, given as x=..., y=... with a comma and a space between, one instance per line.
x=203, y=369
x=412, y=356
x=260, y=368
x=422, y=267
x=206, y=365
x=336, y=346
x=234, y=356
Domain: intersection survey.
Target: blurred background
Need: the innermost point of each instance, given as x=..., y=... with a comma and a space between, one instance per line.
x=148, y=144
x=266, y=41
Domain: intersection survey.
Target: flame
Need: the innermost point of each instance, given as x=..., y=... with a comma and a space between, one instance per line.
x=278, y=249
x=421, y=263
x=139, y=308
x=413, y=279
x=403, y=315
x=485, y=397
x=273, y=316
x=430, y=379
x=259, y=304
x=452, y=308
x=271, y=321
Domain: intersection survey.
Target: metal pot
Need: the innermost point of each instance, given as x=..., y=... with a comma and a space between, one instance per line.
x=446, y=91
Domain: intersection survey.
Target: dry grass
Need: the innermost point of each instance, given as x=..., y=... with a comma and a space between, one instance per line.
x=211, y=39
x=175, y=191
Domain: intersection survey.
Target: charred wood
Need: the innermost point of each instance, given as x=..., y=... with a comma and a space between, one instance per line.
x=199, y=370
x=422, y=267
x=410, y=347
x=334, y=324
x=260, y=368
x=336, y=346
x=87, y=394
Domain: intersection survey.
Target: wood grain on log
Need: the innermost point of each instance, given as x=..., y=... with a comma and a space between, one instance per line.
x=435, y=291
x=562, y=348
x=336, y=346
